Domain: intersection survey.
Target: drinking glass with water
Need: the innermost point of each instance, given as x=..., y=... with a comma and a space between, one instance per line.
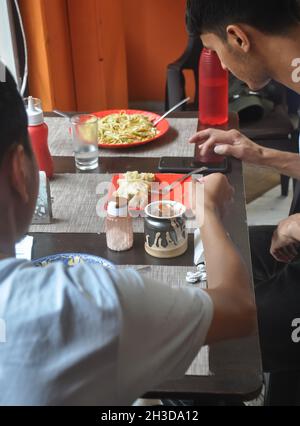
x=85, y=141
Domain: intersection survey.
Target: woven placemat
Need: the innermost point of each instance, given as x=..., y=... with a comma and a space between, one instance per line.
x=77, y=199
x=173, y=144
x=74, y=205
x=175, y=277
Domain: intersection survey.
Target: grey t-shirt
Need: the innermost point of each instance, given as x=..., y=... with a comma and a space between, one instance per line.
x=90, y=336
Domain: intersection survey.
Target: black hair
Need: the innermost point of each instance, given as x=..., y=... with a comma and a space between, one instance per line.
x=13, y=117
x=269, y=16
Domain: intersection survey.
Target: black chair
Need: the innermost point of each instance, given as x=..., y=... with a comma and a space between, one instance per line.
x=275, y=130
x=175, y=90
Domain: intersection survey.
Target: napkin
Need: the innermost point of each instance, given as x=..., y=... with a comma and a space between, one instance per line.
x=199, y=261
x=24, y=248
x=199, y=249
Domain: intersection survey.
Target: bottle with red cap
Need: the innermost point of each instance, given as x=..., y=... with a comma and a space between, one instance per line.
x=38, y=132
x=213, y=90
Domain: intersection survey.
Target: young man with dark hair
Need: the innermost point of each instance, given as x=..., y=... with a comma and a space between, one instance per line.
x=258, y=41
x=90, y=336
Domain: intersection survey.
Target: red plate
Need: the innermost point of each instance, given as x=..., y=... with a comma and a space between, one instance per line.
x=180, y=194
x=162, y=127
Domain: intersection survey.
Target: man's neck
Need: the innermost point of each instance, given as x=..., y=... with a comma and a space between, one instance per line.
x=7, y=233
x=7, y=245
x=281, y=62
x=7, y=253
x=7, y=249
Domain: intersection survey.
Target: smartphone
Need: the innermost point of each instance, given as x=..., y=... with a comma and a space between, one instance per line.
x=186, y=165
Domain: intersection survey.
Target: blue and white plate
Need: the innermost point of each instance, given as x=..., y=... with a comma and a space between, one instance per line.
x=73, y=259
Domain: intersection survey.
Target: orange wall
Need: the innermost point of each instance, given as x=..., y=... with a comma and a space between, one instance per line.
x=76, y=53
x=50, y=59
x=99, y=58
x=155, y=36
x=94, y=54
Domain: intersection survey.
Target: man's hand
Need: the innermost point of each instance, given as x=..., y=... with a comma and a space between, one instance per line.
x=286, y=238
x=218, y=193
x=228, y=143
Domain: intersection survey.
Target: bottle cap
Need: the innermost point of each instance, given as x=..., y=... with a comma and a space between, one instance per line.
x=118, y=207
x=34, y=111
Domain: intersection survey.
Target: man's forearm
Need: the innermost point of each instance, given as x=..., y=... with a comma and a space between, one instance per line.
x=225, y=266
x=228, y=284
x=285, y=163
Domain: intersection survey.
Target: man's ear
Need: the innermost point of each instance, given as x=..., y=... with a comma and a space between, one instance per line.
x=18, y=173
x=238, y=38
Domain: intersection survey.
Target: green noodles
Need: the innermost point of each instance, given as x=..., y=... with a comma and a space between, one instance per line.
x=125, y=128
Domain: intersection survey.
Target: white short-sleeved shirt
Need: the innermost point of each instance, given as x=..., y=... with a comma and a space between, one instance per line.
x=90, y=336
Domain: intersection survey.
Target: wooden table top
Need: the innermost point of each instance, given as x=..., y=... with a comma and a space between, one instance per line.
x=235, y=365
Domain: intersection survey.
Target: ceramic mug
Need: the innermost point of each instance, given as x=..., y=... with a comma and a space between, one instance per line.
x=165, y=229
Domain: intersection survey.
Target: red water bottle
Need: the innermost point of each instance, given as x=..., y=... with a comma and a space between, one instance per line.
x=213, y=90
x=38, y=132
